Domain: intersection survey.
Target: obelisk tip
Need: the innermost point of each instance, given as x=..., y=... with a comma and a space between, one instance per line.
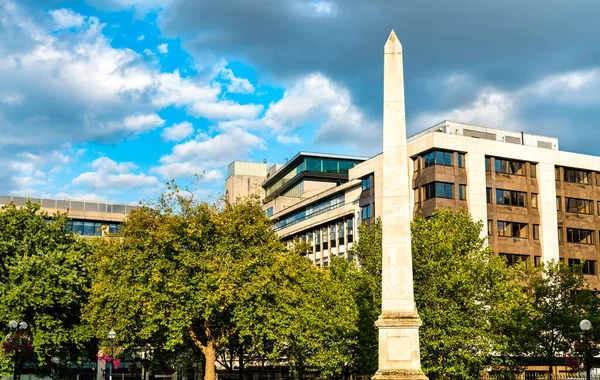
x=393, y=44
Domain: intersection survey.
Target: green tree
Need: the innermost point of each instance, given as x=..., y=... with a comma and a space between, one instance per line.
x=218, y=280
x=43, y=280
x=465, y=295
x=561, y=300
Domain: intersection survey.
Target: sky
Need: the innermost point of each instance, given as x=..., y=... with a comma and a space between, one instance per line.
x=110, y=99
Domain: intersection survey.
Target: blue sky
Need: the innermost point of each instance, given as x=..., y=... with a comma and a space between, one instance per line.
x=109, y=99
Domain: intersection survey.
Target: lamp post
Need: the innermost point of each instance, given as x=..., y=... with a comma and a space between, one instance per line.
x=111, y=335
x=585, y=326
x=14, y=328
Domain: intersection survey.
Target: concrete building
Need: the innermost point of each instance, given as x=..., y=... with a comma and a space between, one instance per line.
x=536, y=202
x=85, y=218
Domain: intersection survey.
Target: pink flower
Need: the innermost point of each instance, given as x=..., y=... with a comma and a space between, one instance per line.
x=117, y=363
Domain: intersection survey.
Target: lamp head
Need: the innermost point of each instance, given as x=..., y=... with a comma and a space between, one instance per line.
x=23, y=325
x=112, y=334
x=13, y=324
x=585, y=325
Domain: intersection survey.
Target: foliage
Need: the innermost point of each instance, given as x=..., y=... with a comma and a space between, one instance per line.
x=43, y=281
x=215, y=280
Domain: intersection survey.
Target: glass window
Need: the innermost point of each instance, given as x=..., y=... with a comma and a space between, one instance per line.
x=510, y=198
x=509, y=166
x=438, y=190
x=536, y=232
x=580, y=236
x=487, y=164
x=533, y=170
x=366, y=212
x=560, y=234
x=366, y=183
x=537, y=261
x=269, y=212
x=558, y=204
x=330, y=166
x=512, y=259
x=579, y=206
x=576, y=176
x=437, y=158
x=589, y=267
x=557, y=174
x=534, y=200
x=78, y=227
x=512, y=229
x=489, y=225
x=462, y=192
x=488, y=195
x=461, y=160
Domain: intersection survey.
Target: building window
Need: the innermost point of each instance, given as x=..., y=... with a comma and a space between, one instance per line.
x=534, y=200
x=510, y=198
x=588, y=267
x=439, y=190
x=509, y=166
x=580, y=236
x=437, y=157
x=560, y=234
x=597, y=179
x=269, y=212
x=350, y=230
x=579, y=206
x=512, y=259
x=462, y=192
x=461, y=160
x=366, y=183
x=490, y=223
x=488, y=194
x=557, y=174
x=537, y=261
x=85, y=228
x=533, y=170
x=365, y=212
x=576, y=176
x=487, y=164
x=558, y=204
x=512, y=229
x=536, y=232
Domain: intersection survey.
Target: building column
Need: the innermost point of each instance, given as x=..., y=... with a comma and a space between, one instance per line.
x=476, y=189
x=548, y=214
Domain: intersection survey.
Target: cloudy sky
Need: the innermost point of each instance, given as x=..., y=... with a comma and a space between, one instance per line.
x=109, y=99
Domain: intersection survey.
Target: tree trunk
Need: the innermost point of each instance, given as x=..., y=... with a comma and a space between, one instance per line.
x=210, y=356
x=241, y=361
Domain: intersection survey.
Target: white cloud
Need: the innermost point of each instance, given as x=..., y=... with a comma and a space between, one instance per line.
x=177, y=132
x=316, y=100
x=66, y=19
x=141, y=123
x=287, y=140
x=115, y=176
x=163, y=48
x=198, y=156
x=322, y=7
x=141, y=37
x=77, y=196
x=236, y=84
x=503, y=109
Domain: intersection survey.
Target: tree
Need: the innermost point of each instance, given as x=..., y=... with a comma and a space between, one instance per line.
x=43, y=281
x=460, y=288
x=561, y=301
x=216, y=279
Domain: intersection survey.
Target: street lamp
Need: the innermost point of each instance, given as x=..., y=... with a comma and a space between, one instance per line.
x=14, y=328
x=111, y=335
x=585, y=326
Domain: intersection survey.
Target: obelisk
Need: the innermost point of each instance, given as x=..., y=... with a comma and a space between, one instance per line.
x=398, y=324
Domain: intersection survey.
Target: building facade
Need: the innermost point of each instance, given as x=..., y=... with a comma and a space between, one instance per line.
x=537, y=203
x=85, y=218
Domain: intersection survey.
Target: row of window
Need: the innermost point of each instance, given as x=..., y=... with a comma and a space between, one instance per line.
x=576, y=205
x=515, y=229
x=589, y=267
x=444, y=190
x=440, y=157
x=311, y=211
x=576, y=176
x=513, y=167
x=577, y=236
x=366, y=183
x=511, y=198
x=87, y=228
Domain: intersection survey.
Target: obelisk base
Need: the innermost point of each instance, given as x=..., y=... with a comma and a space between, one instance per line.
x=399, y=354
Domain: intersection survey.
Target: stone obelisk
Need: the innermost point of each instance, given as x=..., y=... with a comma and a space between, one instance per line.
x=398, y=324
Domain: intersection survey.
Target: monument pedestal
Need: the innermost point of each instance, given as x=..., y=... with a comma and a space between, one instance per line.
x=399, y=354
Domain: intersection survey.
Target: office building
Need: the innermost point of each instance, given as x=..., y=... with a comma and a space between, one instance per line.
x=536, y=202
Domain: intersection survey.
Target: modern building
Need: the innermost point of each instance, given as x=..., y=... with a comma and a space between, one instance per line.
x=85, y=218
x=537, y=203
